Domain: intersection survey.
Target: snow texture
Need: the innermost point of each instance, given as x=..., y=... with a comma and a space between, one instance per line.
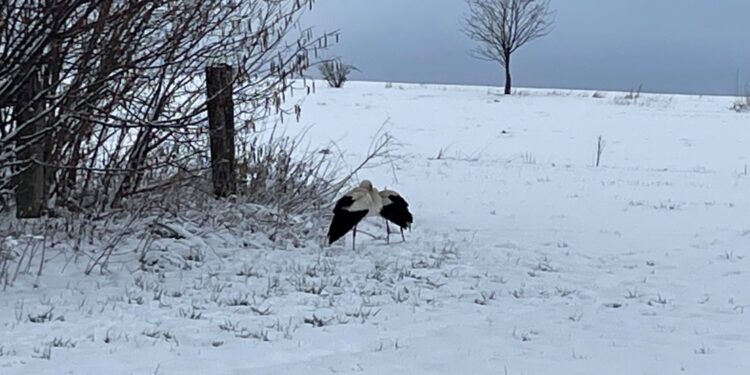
x=524, y=258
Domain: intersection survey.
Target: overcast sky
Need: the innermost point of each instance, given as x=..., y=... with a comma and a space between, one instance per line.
x=681, y=46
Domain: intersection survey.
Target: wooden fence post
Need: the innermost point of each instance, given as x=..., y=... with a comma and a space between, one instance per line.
x=221, y=129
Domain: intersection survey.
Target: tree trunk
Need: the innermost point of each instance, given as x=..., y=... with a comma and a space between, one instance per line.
x=507, y=75
x=221, y=129
x=30, y=181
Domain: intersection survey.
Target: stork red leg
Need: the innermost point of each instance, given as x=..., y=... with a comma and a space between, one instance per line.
x=354, y=238
x=402, y=235
x=387, y=232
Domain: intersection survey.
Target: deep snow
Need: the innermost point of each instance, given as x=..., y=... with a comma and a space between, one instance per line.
x=524, y=257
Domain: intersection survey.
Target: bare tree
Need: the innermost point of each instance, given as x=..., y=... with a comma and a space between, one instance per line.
x=335, y=72
x=503, y=26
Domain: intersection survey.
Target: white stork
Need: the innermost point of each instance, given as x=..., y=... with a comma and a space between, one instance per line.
x=365, y=201
x=354, y=206
x=396, y=210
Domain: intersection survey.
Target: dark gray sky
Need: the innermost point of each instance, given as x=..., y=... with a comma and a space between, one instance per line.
x=681, y=46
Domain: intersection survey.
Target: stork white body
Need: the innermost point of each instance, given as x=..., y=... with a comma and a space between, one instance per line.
x=366, y=197
x=364, y=201
x=354, y=206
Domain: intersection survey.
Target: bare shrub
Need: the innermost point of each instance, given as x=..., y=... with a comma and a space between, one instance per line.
x=703, y=349
x=121, y=104
x=276, y=173
x=260, y=335
x=631, y=97
x=528, y=158
x=318, y=322
x=43, y=352
x=485, y=298
x=742, y=104
x=335, y=72
x=634, y=94
x=286, y=187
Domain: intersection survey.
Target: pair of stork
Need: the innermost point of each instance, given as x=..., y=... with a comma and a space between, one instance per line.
x=364, y=201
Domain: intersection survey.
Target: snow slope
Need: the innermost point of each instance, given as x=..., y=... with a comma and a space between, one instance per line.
x=524, y=258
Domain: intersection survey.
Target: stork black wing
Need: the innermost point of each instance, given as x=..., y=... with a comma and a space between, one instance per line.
x=397, y=212
x=343, y=219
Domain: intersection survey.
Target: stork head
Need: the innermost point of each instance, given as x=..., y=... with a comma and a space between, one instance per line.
x=366, y=184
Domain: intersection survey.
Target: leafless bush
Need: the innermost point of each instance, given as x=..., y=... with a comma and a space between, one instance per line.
x=261, y=334
x=335, y=72
x=6, y=351
x=485, y=298
x=564, y=292
x=119, y=104
x=229, y=326
x=286, y=329
x=286, y=187
x=283, y=189
x=121, y=117
x=634, y=94
x=318, y=322
x=632, y=293
x=659, y=300
x=59, y=342
x=742, y=104
x=45, y=317
x=157, y=334
x=524, y=335
x=528, y=158
x=382, y=151
x=400, y=295
x=45, y=352
x=362, y=314
x=703, y=349
x=304, y=285
x=276, y=173
x=631, y=97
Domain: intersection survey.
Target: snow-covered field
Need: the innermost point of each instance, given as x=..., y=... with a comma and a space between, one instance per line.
x=524, y=258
